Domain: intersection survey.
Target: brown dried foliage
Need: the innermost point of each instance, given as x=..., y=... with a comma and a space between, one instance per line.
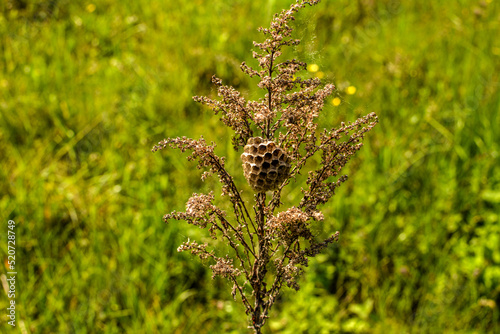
x=270, y=249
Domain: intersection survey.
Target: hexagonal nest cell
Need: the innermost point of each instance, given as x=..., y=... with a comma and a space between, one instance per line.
x=265, y=164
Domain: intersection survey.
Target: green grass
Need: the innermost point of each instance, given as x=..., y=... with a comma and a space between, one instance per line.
x=85, y=92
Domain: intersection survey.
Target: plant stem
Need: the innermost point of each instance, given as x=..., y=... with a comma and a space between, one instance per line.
x=259, y=268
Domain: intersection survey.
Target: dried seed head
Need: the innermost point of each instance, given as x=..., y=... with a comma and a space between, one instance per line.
x=265, y=164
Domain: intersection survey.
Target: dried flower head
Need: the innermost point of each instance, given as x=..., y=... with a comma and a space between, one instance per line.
x=278, y=134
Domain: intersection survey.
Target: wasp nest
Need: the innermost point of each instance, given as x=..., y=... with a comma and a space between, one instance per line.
x=265, y=164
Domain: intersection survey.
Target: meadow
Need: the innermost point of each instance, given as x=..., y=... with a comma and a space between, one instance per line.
x=88, y=87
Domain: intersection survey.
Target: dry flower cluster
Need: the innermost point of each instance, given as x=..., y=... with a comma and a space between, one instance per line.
x=269, y=249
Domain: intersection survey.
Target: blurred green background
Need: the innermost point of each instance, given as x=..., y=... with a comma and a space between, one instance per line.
x=88, y=87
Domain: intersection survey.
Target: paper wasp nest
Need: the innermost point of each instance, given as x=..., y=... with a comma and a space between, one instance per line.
x=265, y=164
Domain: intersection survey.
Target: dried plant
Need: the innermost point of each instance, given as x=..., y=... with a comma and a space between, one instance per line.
x=279, y=134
